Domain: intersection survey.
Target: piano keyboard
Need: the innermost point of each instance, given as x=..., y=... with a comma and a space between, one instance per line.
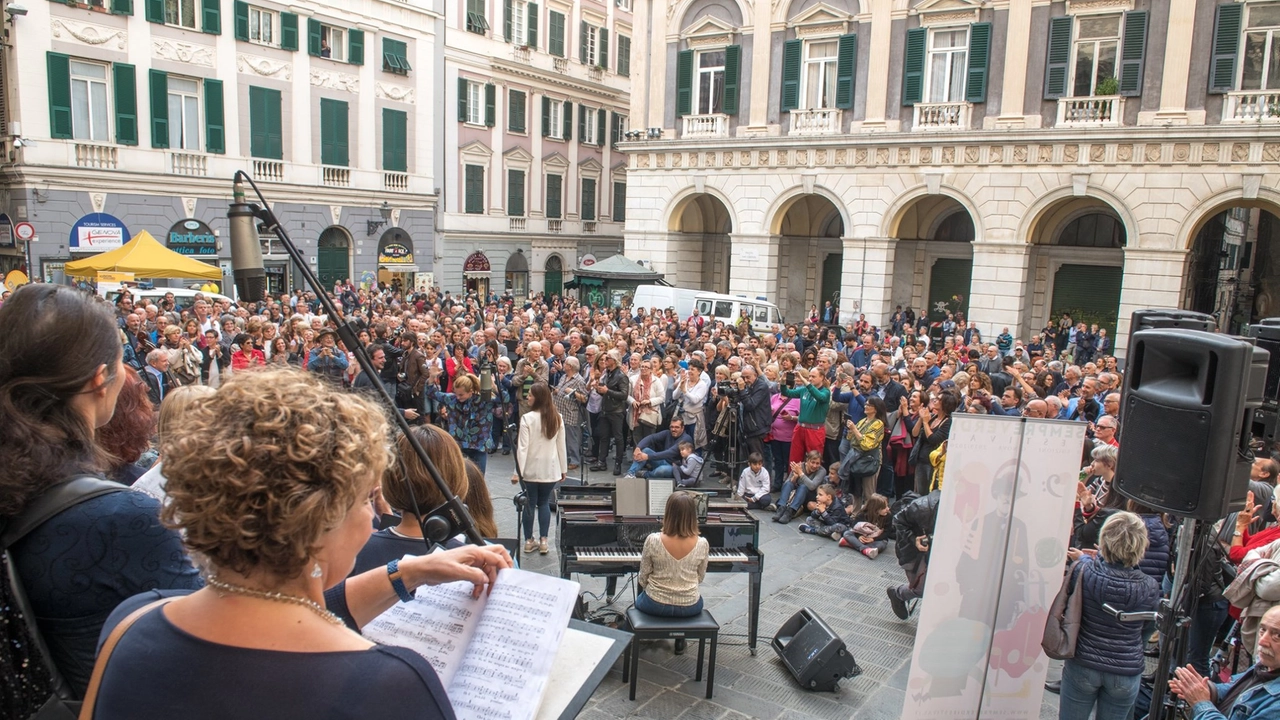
x=622, y=555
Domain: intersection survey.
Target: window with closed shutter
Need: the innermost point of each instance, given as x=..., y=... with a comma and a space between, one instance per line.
x=515, y=192
x=555, y=186
x=266, y=139
x=588, y=199
x=516, y=112
x=395, y=141
x=473, y=189
x=334, y=133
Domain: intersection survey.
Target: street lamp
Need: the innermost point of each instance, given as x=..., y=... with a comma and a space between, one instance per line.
x=371, y=226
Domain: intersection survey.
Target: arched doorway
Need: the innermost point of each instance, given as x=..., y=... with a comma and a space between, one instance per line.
x=933, y=260
x=1233, y=270
x=554, y=276
x=333, y=256
x=810, y=229
x=517, y=275
x=699, y=231
x=1077, y=264
x=395, y=259
x=475, y=273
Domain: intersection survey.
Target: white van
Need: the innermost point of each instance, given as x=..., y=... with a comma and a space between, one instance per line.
x=764, y=314
x=665, y=296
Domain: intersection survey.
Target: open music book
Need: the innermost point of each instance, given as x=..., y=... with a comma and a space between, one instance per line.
x=493, y=654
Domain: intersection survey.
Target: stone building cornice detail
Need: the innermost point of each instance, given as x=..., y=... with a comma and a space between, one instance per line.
x=542, y=77
x=395, y=93
x=83, y=33
x=188, y=53
x=335, y=80
x=264, y=67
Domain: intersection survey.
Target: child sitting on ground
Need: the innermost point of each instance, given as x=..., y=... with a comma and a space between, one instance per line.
x=753, y=484
x=871, y=528
x=687, y=470
x=827, y=516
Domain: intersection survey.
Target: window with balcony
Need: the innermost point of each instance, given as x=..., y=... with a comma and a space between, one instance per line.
x=184, y=114
x=709, y=88
x=593, y=45
x=817, y=82
x=89, y=110
x=515, y=192
x=948, y=63
x=1093, y=62
x=1094, y=54
x=1260, y=49
x=555, y=185
x=182, y=13
x=945, y=73
x=520, y=23
x=819, y=71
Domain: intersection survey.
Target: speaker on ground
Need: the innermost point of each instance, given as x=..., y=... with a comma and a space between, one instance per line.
x=811, y=650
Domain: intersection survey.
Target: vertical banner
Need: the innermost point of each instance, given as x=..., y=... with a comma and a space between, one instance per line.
x=995, y=565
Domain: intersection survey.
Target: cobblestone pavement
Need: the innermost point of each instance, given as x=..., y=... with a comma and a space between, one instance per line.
x=846, y=589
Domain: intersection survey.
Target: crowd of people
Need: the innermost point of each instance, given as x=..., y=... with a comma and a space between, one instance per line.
x=842, y=426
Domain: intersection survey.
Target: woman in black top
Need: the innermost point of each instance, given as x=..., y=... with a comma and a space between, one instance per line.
x=932, y=430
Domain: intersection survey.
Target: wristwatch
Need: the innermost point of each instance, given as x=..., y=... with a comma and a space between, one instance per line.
x=397, y=581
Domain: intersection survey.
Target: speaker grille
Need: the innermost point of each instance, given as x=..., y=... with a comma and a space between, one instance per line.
x=1164, y=455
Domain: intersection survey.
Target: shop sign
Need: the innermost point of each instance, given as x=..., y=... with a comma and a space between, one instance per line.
x=588, y=260
x=476, y=262
x=97, y=232
x=194, y=238
x=395, y=253
x=6, y=231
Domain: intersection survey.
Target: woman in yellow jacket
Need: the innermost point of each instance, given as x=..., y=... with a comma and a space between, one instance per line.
x=867, y=436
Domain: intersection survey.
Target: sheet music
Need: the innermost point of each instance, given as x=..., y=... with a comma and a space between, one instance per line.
x=505, y=669
x=438, y=625
x=580, y=652
x=659, y=491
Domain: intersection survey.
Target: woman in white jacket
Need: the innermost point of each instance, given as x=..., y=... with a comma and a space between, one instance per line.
x=542, y=459
x=644, y=404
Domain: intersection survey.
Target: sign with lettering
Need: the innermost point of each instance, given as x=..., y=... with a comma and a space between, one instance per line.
x=6, y=231
x=97, y=232
x=394, y=253
x=476, y=262
x=192, y=237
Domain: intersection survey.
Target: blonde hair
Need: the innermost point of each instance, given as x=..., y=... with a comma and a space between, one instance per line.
x=466, y=383
x=176, y=402
x=1123, y=539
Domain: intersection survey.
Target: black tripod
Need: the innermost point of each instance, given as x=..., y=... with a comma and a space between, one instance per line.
x=731, y=451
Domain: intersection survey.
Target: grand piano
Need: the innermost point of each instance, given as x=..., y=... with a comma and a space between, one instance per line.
x=593, y=541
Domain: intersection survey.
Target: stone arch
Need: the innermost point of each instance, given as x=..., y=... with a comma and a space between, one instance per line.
x=1265, y=199
x=777, y=212
x=729, y=11
x=698, y=223
x=1039, y=212
x=333, y=254
x=1232, y=266
x=898, y=209
x=671, y=219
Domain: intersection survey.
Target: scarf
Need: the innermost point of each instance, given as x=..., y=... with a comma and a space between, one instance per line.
x=1254, y=676
x=641, y=396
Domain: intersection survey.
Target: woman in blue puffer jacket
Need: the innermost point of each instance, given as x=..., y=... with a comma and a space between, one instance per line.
x=1107, y=668
x=1155, y=561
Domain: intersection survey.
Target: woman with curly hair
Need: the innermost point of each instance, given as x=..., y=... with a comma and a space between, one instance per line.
x=270, y=481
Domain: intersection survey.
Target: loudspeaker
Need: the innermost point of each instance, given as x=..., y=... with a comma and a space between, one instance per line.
x=1155, y=318
x=1188, y=406
x=811, y=650
x=1266, y=335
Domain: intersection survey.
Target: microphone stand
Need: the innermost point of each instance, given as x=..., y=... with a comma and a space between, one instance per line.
x=441, y=523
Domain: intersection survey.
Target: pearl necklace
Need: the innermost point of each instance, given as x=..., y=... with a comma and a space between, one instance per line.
x=224, y=588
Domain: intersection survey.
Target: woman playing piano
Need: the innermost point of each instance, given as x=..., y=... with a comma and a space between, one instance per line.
x=674, y=563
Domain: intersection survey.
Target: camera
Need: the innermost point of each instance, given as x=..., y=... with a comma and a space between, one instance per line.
x=724, y=388
x=791, y=378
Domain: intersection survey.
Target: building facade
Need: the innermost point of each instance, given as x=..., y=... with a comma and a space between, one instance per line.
x=123, y=116
x=536, y=99
x=1014, y=159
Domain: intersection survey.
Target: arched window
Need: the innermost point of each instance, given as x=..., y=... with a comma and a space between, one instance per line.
x=1095, y=230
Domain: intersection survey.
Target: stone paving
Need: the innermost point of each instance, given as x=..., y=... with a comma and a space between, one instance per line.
x=845, y=588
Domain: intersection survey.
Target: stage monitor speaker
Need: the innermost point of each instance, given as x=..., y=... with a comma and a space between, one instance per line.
x=811, y=650
x=1157, y=318
x=1187, y=416
x=1266, y=335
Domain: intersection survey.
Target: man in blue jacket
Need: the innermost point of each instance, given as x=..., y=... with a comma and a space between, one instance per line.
x=658, y=451
x=1254, y=693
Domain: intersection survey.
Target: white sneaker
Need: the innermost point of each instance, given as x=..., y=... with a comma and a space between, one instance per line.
x=629, y=476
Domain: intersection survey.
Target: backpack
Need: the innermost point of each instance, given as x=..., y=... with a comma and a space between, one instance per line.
x=30, y=684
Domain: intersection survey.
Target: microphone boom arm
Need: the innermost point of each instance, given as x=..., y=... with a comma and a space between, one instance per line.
x=443, y=522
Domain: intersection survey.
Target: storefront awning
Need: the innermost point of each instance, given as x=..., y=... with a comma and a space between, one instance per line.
x=483, y=275
x=580, y=281
x=399, y=267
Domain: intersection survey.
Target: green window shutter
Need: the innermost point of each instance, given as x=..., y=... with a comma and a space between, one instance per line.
x=515, y=193
x=159, y=86
x=473, y=189
x=506, y=20
x=624, y=56
x=288, y=31
x=555, y=185
x=355, y=46
x=582, y=123
x=59, y=95
x=732, y=73
x=215, y=127
x=790, y=74
x=393, y=52
x=125, y=79
x=588, y=199
x=211, y=17
x=979, y=53
x=462, y=100
x=275, y=125
x=122, y=7
x=241, y=10
x=566, y=121
x=555, y=40
x=602, y=44
x=582, y=42
x=395, y=145
x=258, y=116
x=154, y=11
x=531, y=25
x=546, y=116
x=490, y=104
x=1133, y=53
x=313, y=37
x=516, y=111
x=1226, y=43
x=600, y=127
x=913, y=66
x=684, y=83
x=615, y=128
x=1057, y=66
x=334, y=133
x=846, y=70
x=619, y=202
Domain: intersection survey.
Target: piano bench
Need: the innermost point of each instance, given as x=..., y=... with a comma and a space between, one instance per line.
x=652, y=627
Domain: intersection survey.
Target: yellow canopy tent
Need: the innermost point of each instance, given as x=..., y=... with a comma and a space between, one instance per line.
x=145, y=257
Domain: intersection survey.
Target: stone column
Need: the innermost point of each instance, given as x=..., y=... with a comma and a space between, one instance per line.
x=656, y=65
x=1177, y=67
x=866, y=285
x=761, y=52
x=657, y=247
x=1153, y=278
x=753, y=265
x=1016, y=48
x=878, y=70
x=998, y=287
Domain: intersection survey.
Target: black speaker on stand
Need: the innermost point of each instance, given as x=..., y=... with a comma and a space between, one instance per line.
x=811, y=650
x=1266, y=421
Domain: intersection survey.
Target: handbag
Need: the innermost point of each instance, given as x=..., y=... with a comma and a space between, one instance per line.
x=859, y=463
x=1063, y=626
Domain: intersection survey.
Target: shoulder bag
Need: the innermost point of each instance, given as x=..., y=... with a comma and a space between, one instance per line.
x=104, y=655
x=1063, y=626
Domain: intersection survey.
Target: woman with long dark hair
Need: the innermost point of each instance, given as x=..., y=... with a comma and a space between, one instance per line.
x=60, y=377
x=542, y=460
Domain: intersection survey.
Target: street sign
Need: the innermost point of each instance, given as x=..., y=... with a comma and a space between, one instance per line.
x=24, y=231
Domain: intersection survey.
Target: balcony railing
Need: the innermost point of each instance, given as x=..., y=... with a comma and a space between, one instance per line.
x=1101, y=111
x=588, y=226
x=335, y=176
x=395, y=181
x=517, y=224
x=595, y=72
x=561, y=64
x=188, y=164
x=1251, y=106
x=821, y=121
x=98, y=157
x=521, y=53
x=706, y=126
x=268, y=170
x=941, y=116
x=555, y=225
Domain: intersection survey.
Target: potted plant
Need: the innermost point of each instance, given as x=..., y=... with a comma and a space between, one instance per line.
x=1107, y=86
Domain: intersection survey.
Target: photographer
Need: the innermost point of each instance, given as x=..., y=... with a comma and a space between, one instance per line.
x=757, y=415
x=325, y=359
x=913, y=528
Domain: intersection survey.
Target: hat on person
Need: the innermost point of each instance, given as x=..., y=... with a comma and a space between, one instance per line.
x=324, y=332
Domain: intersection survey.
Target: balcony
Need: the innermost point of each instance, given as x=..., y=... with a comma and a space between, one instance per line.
x=820, y=121
x=517, y=224
x=555, y=225
x=98, y=157
x=188, y=164
x=595, y=72
x=941, y=116
x=561, y=64
x=268, y=170
x=522, y=53
x=705, y=126
x=1100, y=111
x=335, y=176
x=589, y=226
x=396, y=182
x=1255, y=106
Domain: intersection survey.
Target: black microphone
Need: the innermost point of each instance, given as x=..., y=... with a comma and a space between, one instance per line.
x=246, y=252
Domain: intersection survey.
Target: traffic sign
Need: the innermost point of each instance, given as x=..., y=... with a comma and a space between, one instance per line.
x=24, y=231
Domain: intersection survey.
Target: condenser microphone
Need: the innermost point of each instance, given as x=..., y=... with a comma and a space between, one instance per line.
x=246, y=253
